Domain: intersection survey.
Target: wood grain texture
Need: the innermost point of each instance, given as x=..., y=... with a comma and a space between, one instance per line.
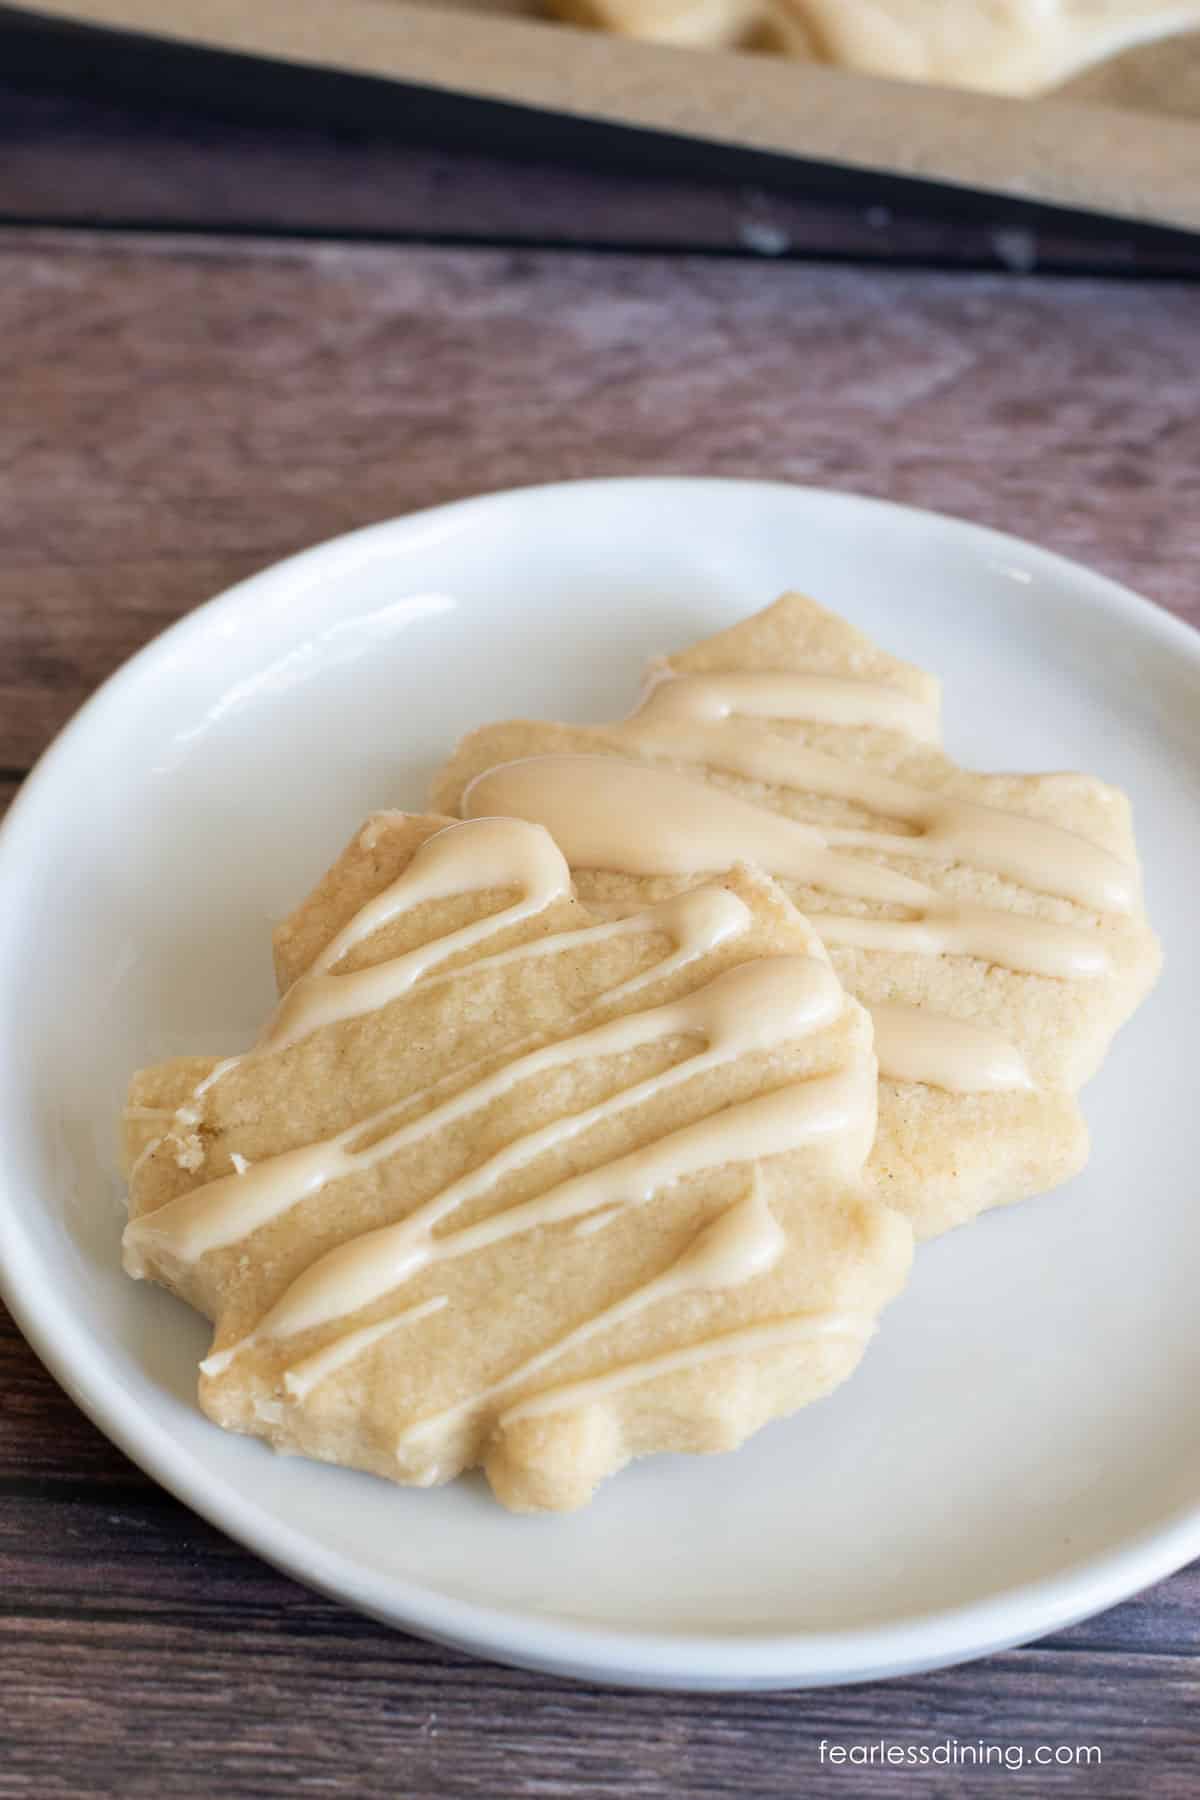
x=178, y=413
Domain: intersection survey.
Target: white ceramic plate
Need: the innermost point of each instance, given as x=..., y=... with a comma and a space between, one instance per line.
x=1019, y=1448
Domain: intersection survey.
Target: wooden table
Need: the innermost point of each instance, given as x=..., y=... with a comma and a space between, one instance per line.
x=177, y=410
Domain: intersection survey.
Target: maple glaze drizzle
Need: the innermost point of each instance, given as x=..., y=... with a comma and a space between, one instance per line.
x=231, y=1207
x=749, y=1007
x=701, y=719
x=697, y=921
x=644, y=819
x=448, y=864
x=303, y=1376
x=741, y=1243
x=956, y=1055
x=749, y=1341
x=754, y=1006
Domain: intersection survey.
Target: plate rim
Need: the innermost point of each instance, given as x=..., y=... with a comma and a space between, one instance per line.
x=700, y=1660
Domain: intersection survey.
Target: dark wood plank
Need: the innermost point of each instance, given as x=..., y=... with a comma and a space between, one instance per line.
x=80, y=158
x=244, y=1683
x=47, y=1447
x=177, y=413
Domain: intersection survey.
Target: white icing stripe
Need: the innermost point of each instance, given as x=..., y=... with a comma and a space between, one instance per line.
x=471, y=856
x=1033, y=852
x=360, y=1272
x=747, y=1342
x=698, y=921
x=453, y=862
x=211, y=1079
x=1010, y=940
x=134, y=1263
x=640, y=819
x=772, y=694
x=962, y=1058
x=741, y=1243
x=596, y=1222
x=753, y=1006
x=462, y=859
x=310, y=1371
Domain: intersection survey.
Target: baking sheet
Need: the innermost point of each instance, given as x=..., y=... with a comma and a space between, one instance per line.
x=1121, y=140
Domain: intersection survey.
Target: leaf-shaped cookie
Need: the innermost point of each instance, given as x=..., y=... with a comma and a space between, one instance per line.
x=505, y=1183
x=993, y=922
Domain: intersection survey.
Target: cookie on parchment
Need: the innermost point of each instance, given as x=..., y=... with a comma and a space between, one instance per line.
x=994, y=46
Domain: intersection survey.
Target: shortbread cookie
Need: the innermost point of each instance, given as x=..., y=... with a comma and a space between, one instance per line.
x=692, y=24
x=504, y=1183
x=998, y=46
x=1021, y=47
x=994, y=920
